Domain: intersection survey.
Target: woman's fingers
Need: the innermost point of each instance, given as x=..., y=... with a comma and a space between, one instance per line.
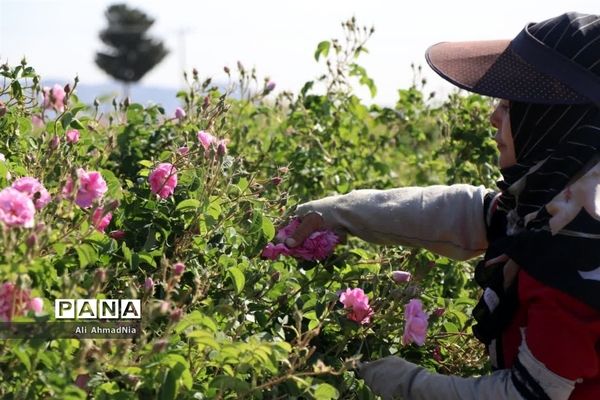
x=511, y=269
x=310, y=223
x=496, y=260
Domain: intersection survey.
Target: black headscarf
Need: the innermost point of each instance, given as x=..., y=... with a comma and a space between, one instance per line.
x=554, y=146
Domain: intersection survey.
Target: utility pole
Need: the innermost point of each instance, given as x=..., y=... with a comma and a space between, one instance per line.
x=181, y=43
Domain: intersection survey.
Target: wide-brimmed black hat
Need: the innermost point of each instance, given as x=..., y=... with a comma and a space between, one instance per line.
x=556, y=61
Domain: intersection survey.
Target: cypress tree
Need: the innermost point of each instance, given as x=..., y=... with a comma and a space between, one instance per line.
x=130, y=53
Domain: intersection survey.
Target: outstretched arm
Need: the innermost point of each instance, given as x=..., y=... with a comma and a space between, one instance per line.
x=448, y=220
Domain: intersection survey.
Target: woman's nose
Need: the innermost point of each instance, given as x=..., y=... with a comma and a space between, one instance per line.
x=495, y=119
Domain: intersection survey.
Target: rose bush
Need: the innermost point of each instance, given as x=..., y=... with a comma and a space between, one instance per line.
x=177, y=212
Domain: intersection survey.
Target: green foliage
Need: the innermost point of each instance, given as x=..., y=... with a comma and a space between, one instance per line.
x=233, y=325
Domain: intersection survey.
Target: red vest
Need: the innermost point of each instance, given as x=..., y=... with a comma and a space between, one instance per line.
x=562, y=332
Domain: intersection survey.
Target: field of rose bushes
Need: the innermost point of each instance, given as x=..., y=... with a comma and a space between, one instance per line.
x=186, y=211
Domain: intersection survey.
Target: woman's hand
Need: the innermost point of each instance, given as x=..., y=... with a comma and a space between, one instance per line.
x=309, y=223
x=510, y=269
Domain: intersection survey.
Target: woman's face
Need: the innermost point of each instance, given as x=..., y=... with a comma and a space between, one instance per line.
x=500, y=119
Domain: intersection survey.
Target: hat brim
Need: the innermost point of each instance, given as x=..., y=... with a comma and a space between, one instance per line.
x=492, y=68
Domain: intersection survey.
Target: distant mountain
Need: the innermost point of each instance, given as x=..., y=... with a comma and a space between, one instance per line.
x=145, y=95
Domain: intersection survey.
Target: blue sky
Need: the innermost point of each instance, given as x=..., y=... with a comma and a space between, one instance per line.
x=60, y=37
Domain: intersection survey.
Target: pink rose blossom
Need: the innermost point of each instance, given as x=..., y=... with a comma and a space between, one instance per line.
x=179, y=113
x=37, y=121
x=82, y=380
x=15, y=301
x=91, y=188
x=222, y=147
x=401, y=276
x=16, y=208
x=68, y=188
x=415, y=328
x=148, y=284
x=163, y=180
x=72, y=136
x=34, y=190
x=206, y=139
x=357, y=302
x=36, y=305
x=287, y=230
x=117, y=235
x=101, y=220
x=273, y=251
x=318, y=246
x=184, y=150
x=438, y=312
x=54, y=98
x=178, y=268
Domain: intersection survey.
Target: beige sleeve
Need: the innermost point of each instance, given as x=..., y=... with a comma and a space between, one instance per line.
x=448, y=220
x=393, y=377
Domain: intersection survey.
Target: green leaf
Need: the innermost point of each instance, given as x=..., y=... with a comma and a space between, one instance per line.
x=325, y=392
x=229, y=382
x=87, y=254
x=16, y=89
x=146, y=163
x=114, y=186
x=76, y=124
x=322, y=49
x=205, y=338
x=450, y=327
x=126, y=252
x=168, y=389
x=66, y=120
x=23, y=357
x=268, y=228
x=238, y=278
x=188, y=205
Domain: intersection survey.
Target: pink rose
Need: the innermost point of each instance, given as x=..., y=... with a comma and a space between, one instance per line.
x=117, y=235
x=54, y=98
x=273, y=251
x=163, y=180
x=437, y=354
x=36, y=305
x=401, y=276
x=222, y=147
x=16, y=208
x=68, y=188
x=72, y=136
x=438, y=312
x=148, y=285
x=184, y=150
x=91, y=188
x=37, y=121
x=287, y=230
x=318, y=246
x=415, y=328
x=16, y=301
x=179, y=113
x=357, y=302
x=101, y=220
x=34, y=190
x=178, y=268
x=206, y=139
